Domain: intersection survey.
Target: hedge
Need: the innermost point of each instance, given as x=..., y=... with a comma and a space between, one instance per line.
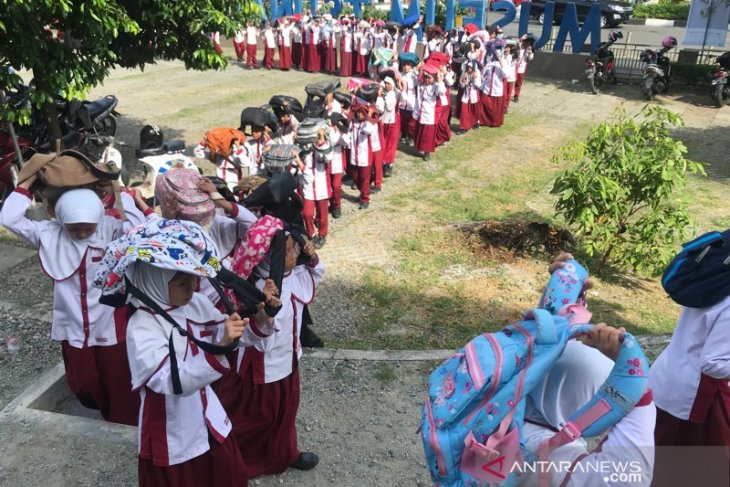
x=665, y=9
x=692, y=74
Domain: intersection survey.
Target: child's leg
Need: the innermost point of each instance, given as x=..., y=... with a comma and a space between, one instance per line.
x=378, y=168
x=116, y=381
x=322, y=217
x=363, y=183
x=308, y=216
x=336, y=199
x=83, y=377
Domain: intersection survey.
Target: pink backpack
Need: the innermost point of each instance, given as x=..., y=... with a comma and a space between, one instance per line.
x=182, y=184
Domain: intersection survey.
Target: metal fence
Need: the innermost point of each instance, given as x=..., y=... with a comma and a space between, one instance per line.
x=629, y=66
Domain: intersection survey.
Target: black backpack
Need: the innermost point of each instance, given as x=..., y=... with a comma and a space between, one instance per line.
x=286, y=104
x=699, y=275
x=323, y=87
x=369, y=92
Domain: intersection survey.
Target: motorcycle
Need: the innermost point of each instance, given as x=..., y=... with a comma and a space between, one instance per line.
x=658, y=69
x=600, y=64
x=720, y=90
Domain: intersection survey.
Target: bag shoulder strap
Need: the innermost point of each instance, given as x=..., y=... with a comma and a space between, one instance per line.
x=109, y=176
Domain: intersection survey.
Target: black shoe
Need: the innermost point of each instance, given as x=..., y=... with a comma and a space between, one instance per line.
x=387, y=170
x=353, y=186
x=375, y=189
x=336, y=212
x=506, y=111
x=305, y=461
x=426, y=156
x=476, y=126
x=516, y=99
x=364, y=206
x=310, y=339
x=319, y=242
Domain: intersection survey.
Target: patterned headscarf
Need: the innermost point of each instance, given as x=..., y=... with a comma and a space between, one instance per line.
x=176, y=245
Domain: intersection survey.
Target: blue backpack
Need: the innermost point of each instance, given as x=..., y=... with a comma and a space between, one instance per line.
x=699, y=275
x=472, y=419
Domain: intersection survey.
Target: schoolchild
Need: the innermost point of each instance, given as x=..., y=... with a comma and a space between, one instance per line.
x=390, y=118
x=288, y=124
x=470, y=83
x=252, y=37
x=409, y=39
x=230, y=167
x=92, y=340
x=443, y=107
x=239, y=44
x=184, y=432
x=329, y=38
x=314, y=185
x=430, y=88
x=269, y=46
x=263, y=403
x=215, y=38
x=510, y=75
x=491, y=112
x=340, y=141
x=525, y=54
x=346, y=44
x=408, y=91
x=297, y=37
x=363, y=46
x=314, y=61
x=362, y=128
x=284, y=41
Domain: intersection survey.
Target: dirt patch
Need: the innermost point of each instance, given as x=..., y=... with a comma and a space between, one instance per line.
x=520, y=237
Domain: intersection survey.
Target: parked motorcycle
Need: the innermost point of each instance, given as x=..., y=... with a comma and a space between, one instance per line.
x=600, y=64
x=720, y=90
x=658, y=69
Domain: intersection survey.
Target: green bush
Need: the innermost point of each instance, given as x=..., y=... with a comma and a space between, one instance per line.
x=620, y=195
x=369, y=12
x=691, y=74
x=665, y=9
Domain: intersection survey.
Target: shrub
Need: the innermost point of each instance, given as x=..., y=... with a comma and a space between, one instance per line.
x=665, y=9
x=691, y=74
x=621, y=194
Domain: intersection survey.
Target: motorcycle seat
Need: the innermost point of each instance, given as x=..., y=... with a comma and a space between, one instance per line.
x=101, y=107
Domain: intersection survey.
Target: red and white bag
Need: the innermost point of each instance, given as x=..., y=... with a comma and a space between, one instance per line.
x=181, y=186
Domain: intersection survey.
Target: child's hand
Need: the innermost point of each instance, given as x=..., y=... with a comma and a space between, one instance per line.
x=270, y=289
x=606, y=339
x=560, y=262
x=234, y=327
x=206, y=185
x=309, y=249
x=29, y=182
x=261, y=317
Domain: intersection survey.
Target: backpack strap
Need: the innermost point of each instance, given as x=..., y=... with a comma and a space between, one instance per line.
x=546, y=332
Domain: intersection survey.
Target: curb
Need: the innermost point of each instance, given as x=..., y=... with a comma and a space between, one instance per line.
x=657, y=22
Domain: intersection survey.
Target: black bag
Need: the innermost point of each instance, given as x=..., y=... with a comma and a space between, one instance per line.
x=344, y=99
x=286, y=104
x=369, y=92
x=308, y=131
x=339, y=121
x=323, y=87
x=699, y=275
x=257, y=117
x=278, y=158
x=387, y=73
x=314, y=109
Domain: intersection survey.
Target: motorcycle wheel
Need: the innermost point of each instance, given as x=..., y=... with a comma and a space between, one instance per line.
x=612, y=78
x=648, y=89
x=107, y=126
x=717, y=96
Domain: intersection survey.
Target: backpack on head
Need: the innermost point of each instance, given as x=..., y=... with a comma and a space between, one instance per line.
x=472, y=418
x=308, y=131
x=219, y=141
x=278, y=158
x=182, y=186
x=699, y=275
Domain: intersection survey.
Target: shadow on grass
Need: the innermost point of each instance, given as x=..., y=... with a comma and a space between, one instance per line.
x=710, y=146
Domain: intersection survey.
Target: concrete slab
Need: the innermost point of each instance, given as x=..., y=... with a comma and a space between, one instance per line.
x=10, y=255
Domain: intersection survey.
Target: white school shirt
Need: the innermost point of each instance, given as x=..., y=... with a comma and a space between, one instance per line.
x=78, y=317
x=387, y=105
x=269, y=39
x=700, y=345
x=361, y=148
x=314, y=34
x=630, y=443
x=366, y=43
x=174, y=428
x=410, y=40
x=297, y=35
x=425, y=110
x=287, y=131
x=284, y=37
x=510, y=68
x=282, y=349
x=339, y=142
x=378, y=39
x=522, y=59
x=239, y=163
x=252, y=35
x=347, y=40
x=315, y=185
x=492, y=79
x=448, y=83
x=434, y=45
x=239, y=37
x=471, y=89
x=408, y=96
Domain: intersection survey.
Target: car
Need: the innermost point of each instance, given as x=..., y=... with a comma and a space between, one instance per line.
x=613, y=12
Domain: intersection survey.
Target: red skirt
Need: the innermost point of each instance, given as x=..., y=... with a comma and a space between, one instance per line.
x=425, y=138
x=345, y=63
x=296, y=54
x=443, y=129
x=391, y=134
x=330, y=59
x=469, y=115
x=407, y=124
x=99, y=377
x=221, y=466
x=313, y=60
x=264, y=420
x=284, y=58
x=361, y=64
x=492, y=111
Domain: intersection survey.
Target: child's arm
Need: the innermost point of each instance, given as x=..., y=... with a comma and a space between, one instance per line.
x=12, y=215
x=715, y=357
x=236, y=213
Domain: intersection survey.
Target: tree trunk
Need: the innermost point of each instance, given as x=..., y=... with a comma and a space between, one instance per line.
x=49, y=112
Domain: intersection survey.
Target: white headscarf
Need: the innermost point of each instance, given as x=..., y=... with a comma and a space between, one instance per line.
x=61, y=254
x=152, y=281
x=571, y=383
